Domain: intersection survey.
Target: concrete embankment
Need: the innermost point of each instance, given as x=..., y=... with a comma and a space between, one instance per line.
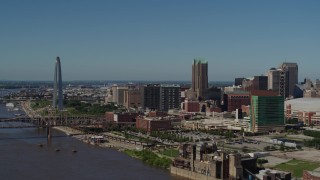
x=69, y=131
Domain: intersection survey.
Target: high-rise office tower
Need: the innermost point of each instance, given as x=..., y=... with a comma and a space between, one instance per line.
x=288, y=78
x=267, y=111
x=169, y=97
x=274, y=79
x=199, y=77
x=151, y=96
x=57, y=91
x=161, y=97
x=260, y=82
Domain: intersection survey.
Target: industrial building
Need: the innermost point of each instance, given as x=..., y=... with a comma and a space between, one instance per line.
x=204, y=161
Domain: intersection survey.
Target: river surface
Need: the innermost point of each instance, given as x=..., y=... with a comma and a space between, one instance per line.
x=21, y=157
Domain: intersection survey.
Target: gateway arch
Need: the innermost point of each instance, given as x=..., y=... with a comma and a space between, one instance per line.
x=57, y=91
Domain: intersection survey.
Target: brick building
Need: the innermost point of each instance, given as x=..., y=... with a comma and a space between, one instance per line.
x=191, y=106
x=309, y=175
x=122, y=117
x=153, y=124
x=157, y=114
x=235, y=100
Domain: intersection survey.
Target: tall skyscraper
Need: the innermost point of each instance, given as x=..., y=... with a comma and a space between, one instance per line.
x=274, y=79
x=199, y=77
x=288, y=78
x=57, y=91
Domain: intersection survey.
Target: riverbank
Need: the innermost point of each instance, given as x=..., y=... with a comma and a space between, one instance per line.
x=68, y=131
x=80, y=135
x=132, y=150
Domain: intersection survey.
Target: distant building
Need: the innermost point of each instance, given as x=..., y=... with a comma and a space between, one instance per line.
x=213, y=94
x=238, y=81
x=233, y=101
x=169, y=97
x=289, y=78
x=151, y=96
x=118, y=94
x=260, y=82
x=132, y=98
x=191, y=106
x=199, y=77
x=157, y=114
x=274, y=79
x=267, y=111
x=153, y=124
x=161, y=97
x=121, y=117
x=255, y=83
x=232, y=89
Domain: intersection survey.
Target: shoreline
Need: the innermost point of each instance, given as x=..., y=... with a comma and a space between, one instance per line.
x=81, y=136
x=121, y=146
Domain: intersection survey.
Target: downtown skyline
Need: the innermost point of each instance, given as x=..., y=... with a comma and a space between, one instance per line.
x=157, y=40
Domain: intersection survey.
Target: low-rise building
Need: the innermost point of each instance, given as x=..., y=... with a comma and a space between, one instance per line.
x=204, y=161
x=270, y=174
x=153, y=124
x=311, y=175
x=121, y=117
x=191, y=106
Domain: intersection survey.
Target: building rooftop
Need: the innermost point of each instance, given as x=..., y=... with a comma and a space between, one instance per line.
x=238, y=92
x=200, y=61
x=314, y=173
x=304, y=104
x=289, y=64
x=263, y=93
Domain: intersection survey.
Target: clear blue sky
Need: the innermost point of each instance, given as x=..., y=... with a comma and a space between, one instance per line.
x=156, y=40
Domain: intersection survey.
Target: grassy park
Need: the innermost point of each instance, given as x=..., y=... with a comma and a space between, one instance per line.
x=170, y=152
x=296, y=167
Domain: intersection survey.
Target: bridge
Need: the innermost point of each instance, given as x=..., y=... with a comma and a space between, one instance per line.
x=52, y=117
x=44, y=121
x=49, y=121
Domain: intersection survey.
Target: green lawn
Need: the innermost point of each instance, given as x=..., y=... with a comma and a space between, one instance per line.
x=296, y=167
x=170, y=152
